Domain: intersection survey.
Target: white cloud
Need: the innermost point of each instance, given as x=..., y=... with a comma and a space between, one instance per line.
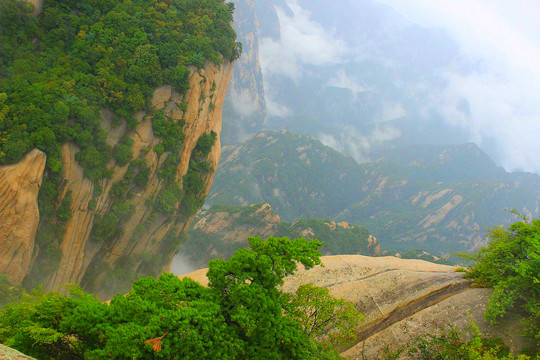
x=243, y=102
x=345, y=81
x=358, y=145
x=392, y=112
x=503, y=94
x=303, y=41
x=497, y=109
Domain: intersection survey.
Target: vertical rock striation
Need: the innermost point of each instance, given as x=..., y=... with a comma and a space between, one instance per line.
x=19, y=215
x=140, y=247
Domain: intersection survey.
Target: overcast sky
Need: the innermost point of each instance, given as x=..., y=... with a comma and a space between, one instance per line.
x=502, y=96
x=505, y=97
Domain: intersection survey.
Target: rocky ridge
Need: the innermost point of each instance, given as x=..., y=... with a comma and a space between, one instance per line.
x=219, y=231
x=436, y=198
x=19, y=214
x=401, y=300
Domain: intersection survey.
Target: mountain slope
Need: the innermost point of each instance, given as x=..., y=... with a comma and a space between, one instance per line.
x=409, y=197
x=123, y=101
x=221, y=230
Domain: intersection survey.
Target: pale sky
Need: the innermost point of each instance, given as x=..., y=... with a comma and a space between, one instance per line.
x=505, y=96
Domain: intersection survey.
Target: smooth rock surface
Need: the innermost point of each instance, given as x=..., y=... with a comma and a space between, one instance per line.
x=401, y=300
x=7, y=353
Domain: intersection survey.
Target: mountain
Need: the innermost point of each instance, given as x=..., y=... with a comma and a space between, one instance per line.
x=434, y=197
x=110, y=136
x=219, y=231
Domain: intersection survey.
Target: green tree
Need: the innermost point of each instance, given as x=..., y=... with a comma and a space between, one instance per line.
x=240, y=315
x=510, y=264
x=324, y=317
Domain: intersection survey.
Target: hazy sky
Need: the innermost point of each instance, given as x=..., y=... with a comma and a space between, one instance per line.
x=501, y=95
x=504, y=97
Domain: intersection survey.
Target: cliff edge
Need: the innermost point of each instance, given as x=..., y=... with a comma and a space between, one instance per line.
x=400, y=299
x=144, y=239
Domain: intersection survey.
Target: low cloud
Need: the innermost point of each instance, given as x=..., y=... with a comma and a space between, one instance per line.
x=243, y=102
x=496, y=108
x=345, y=81
x=357, y=145
x=391, y=112
x=497, y=103
x=303, y=41
x=181, y=265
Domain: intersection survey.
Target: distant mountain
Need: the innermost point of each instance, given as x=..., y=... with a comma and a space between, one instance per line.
x=438, y=198
x=223, y=229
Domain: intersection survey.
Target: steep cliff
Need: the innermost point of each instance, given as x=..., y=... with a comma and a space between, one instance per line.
x=140, y=245
x=131, y=137
x=144, y=230
x=19, y=214
x=245, y=109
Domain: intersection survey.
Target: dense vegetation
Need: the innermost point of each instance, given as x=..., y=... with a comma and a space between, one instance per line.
x=77, y=57
x=241, y=314
x=511, y=265
x=431, y=197
x=60, y=70
x=204, y=244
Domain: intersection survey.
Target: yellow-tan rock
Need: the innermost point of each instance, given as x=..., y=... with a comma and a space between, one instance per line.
x=400, y=299
x=19, y=214
x=203, y=115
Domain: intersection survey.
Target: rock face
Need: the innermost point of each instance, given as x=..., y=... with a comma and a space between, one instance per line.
x=401, y=300
x=143, y=229
x=200, y=118
x=245, y=106
x=19, y=215
x=221, y=230
x=11, y=354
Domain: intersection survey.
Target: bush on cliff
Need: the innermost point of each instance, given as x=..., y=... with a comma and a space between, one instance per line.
x=241, y=314
x=510, y=264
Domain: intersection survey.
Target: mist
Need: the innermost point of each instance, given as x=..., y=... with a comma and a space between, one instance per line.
x=390, y=72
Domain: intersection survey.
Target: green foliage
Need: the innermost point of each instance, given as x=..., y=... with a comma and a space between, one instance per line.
x=323, y=316
x=452, y=344
x=511, y=265
x=199, y=168
x=89, y=55
x=107, y=228
x=122, y=152
x=9, y=293
x=241, y=315
x=64, y=211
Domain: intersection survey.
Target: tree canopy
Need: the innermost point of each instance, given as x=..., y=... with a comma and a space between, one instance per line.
x=242, y=314
x=57, y=71
x=510, y=264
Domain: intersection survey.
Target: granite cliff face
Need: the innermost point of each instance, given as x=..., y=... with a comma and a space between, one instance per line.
x=245, y=109
x=19, y=214
x=401, y=300
x=147, y=239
